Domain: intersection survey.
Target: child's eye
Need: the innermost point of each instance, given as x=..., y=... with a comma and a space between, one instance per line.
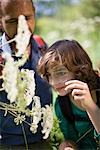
x=49, y=75
x=60, y=73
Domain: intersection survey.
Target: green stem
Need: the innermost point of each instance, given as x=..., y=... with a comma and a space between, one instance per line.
x=7, y=105
x=10, y=107
x=13, y=111
x=10, y=41
x=1, y=89
x=24, y=136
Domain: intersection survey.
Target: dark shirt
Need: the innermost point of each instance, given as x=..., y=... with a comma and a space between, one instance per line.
x=11, y=133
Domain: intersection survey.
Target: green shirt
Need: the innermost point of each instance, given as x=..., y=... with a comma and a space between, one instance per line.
x=74, y=132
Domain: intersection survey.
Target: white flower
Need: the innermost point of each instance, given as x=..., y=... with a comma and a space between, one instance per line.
x=33, y=128
x=22, y=61
x=36, y=102
x=35, y=113
x=47, y=123
x=10, y=72
x=19, y=119
x=23, y=36
x=28, y=78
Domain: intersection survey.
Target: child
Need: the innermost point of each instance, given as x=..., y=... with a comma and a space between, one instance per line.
x=68, y=69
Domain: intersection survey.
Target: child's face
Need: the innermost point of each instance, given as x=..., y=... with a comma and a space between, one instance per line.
x=58, y=76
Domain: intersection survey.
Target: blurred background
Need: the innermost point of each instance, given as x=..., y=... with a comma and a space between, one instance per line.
x=70, y=19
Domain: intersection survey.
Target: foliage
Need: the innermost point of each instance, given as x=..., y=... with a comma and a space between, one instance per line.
x=56, y=136
x=69, y=23
x=92, y=8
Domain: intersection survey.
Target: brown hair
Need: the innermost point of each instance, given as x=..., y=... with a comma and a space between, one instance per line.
x=68, y=143
x=72, y=55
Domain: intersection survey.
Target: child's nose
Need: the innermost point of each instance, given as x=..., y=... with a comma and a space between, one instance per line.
x=58, y=84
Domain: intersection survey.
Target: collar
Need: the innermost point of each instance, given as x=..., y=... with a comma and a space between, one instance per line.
x=6, y=48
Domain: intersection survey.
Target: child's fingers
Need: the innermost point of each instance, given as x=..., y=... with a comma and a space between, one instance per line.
x=74, y=86
x=79, y=97
x=77, y=92
x=74, y=82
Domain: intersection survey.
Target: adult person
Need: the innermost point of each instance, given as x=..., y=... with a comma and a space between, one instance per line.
x=11, y=134
x=68, y=68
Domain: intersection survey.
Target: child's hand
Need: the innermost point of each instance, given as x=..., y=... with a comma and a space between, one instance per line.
x=80, y=92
